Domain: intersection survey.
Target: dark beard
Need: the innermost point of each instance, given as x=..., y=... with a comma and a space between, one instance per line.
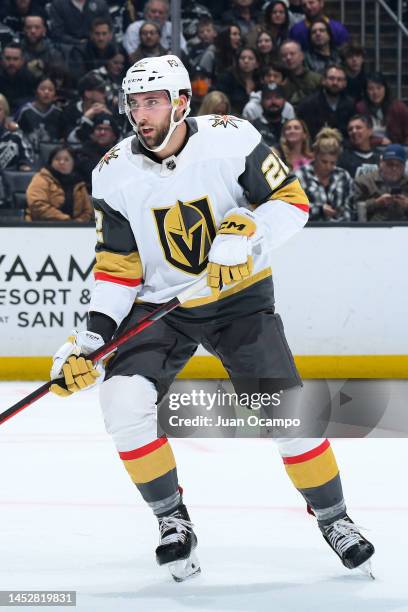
x=272, y=115
x=161, y=135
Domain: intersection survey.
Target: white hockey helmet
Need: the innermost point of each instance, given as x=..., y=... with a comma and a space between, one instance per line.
x=166, y=73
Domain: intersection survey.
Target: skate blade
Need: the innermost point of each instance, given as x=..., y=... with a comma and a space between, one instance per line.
x=367, y=569
x=185, y=568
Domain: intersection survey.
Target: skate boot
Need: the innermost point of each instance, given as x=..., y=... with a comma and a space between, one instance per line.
x=177, y=544
x=347, y=542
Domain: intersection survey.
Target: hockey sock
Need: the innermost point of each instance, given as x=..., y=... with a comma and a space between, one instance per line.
x=312, y=467
x=153, y=470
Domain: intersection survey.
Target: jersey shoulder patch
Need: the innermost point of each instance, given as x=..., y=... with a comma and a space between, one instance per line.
x=232, y=135
x=111, y=170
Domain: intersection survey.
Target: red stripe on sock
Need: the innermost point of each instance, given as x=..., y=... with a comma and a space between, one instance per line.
x=128, y=282
x=143, y=450
x=308, y=455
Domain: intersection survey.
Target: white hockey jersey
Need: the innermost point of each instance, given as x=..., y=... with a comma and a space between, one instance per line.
x=156, y=221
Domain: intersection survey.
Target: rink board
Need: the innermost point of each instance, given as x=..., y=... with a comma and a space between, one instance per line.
x=341, y=292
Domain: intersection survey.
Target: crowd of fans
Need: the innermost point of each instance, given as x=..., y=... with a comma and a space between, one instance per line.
x=284, y=65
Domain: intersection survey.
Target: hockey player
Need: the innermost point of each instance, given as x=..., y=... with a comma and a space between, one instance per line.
x=169, y=205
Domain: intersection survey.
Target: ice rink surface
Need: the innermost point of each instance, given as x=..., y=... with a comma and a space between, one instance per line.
x=72, y=520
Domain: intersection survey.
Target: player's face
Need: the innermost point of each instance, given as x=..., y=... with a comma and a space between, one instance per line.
x=45, y=92
x=63, y=162
x=359, y=134
x=151, y=112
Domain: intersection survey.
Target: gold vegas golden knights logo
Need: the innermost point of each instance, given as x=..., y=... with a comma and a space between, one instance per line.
x=186, y=231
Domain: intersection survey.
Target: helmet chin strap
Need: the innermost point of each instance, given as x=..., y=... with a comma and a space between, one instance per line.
x=173, y=125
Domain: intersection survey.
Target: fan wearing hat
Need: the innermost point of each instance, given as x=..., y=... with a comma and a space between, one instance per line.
x=384, y=192
x=270, y=123
x=105, y=133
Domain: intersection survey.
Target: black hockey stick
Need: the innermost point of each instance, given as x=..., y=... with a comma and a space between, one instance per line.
x=157, y=314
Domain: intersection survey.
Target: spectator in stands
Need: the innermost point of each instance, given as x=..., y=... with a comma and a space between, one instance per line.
x=205, y=39
x=239, y=82
x=41, y=120
x=14, y=12
x=16, y=81
x=150, y=45
x=389, y=117
x=57, y=193
x=353, y=57
x=276, y=21
x=275, y=72
x=157, y=11
x=329, y=105
x=65, y=84
x=38, y=49
x=314, y=9
x=295, y=145
x=15, y=151
x=216, y=61
x=382, y=195
x=253, y=109
x=95, y=52
x=328, y=187
x=270, y=123
x=215, y=103
x=296, y=11
x=79, y=114
x=301, y=81
x=321, y=51
x=243, y=13
x=112, y=74
x=104, y=135
x=71, y=19
x=265, y=47
x=358, y=151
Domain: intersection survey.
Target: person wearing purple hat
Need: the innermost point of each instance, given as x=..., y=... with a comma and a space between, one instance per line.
x=382, y=195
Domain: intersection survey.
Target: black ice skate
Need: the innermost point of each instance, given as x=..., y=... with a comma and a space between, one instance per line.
x=347, y=542
x=177, y=544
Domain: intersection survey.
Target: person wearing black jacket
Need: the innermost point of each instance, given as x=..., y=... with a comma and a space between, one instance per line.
x=14, y=12
x=104, y=135
x=16, y=82
x=96, y=51
x=70, y=24
x=330, y=106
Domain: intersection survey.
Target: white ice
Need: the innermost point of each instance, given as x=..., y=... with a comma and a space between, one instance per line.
x=71, y=519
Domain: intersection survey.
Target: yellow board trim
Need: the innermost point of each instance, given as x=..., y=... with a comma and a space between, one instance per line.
x=202, y=366
x=151, y=466
x=314, y=472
